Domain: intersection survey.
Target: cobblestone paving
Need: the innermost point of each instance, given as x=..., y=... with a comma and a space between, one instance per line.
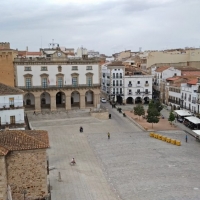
x=129, y=166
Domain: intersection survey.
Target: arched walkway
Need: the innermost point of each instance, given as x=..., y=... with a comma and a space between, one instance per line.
x=89, y=98
x=138, y=100
x=29, y=101
x=75, y=99
x=146, y=100
x=60, y=100
x=129, y=100
x=45, y=100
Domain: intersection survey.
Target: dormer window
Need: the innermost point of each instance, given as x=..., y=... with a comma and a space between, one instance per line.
x=59, y=69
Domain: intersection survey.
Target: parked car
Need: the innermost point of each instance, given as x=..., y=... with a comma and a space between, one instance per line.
x=103, y=100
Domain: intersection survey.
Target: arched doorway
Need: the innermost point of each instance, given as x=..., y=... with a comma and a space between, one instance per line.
x=29, y=101
x=146, y=100
x=45, y=100
x=89, y=98
x=138, y=100
x=129, y=100
x=60, y=99
x=75, y=99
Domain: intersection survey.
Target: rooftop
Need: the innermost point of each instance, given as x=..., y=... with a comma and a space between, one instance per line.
x=116, y=63
x=6, y=90
x=18, y=140
x=161, y=69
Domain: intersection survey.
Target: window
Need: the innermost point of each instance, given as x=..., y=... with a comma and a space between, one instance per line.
x=146, y=91
x=12, y=119
x=74, y=81
x=116, y=75
x=113, y=75
x=28, y=82
x=11, y=102
x=120, y=75
x=138, y=91
x=43, y=68
x=74, y=67
x=113, y=90
x=27, y=69
x=89, y=67
x=44, y=82
x=129, y=82
x=146, y=82
x=120, y=90
x=59, y=69
x=115, y=69
x=117, y=84
x=60, y=82
x=138, y=82
x=113, y=83
x=89, y=80
x=120, y=82
x=117, y=91
x=174, y=74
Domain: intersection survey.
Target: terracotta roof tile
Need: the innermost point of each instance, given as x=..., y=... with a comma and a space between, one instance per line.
x=116, y=63
x=33, y=53
x=173, y=78
x=193, y=81
x=161, y=69
x=17, y=140
x=5, y=90
x=190, y=73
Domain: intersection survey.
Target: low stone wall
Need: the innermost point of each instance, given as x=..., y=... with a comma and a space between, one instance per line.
x=103, y=115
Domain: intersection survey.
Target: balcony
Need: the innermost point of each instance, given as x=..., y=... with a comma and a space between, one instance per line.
x=137, y=92
x=146, y=85
x=25, y=88
x=138, y=85
x=117, y=77
x=108, y=84
x=189, y=99
x=129, y=85
x=129, y=93
x=147, y=92
x=108, y=76
x=174, y=101
x=13, y=125
x=8, y=106
x=194, y=101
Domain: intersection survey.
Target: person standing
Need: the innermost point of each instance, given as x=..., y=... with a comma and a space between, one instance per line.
x=186, y=138
x=108, y=135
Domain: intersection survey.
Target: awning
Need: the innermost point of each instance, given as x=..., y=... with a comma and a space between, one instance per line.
x=183, y=112
x=194, y=120
x=197, y=132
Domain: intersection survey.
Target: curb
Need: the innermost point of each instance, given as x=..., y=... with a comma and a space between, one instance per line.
x=136, y=123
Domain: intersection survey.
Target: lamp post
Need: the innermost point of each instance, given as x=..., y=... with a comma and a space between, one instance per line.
x=24, y=192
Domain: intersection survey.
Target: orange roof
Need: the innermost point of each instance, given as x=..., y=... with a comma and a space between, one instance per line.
x=190, y=73
x=33, y=53
x=161, y=69
x=173, y=78
x=193, y=81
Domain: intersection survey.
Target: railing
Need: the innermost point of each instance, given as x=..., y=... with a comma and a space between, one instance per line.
x=129, y=93
x=174, y=101
x=59, y=86
x=137, y=92
x=129, y=85
x=108, y=84
x=194, y=101
x=138, y=85
x=146, y=84
x=8, y=106
x=116, y=77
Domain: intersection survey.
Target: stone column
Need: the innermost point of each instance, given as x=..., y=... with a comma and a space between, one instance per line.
x=37, y=104
x=53, y=102
x=82, y=101
x=68, y=102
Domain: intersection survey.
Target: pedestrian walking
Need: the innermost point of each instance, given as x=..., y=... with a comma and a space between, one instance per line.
x=108, y=135
x=186, y=138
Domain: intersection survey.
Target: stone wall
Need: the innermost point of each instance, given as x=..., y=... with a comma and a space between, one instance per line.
x=100, y=115
x=3, y=179
x=27, y=170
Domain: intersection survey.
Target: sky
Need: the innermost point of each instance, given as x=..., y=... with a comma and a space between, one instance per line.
x=107, y=26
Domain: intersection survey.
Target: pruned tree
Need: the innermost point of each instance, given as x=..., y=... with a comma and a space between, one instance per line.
x=152, y=114
x=171, y=117
x=139, y=110
x=158, y=105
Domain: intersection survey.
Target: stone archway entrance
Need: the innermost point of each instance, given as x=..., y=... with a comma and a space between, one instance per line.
x=89, y=98
x=60, y=99
x=45, y=100
x=138, y=100
x=75, y=99
x=29, y=101
x=129, y=100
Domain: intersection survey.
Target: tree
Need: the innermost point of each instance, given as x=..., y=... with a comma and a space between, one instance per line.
x=152, y=114
x=158, y=105
x=171, y=117
x=139, y=110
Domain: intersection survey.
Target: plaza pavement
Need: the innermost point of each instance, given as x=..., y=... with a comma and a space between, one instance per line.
x=129, y=166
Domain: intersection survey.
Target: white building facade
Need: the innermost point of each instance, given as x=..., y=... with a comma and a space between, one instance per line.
x=57, y=81
x=11, y=108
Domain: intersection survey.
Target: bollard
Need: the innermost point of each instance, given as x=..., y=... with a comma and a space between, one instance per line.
x=178, y=143
x=151, y=134
x=155, y=135
x=164, y=138
x=173, y=141
x=159, y=137
x=168, y=140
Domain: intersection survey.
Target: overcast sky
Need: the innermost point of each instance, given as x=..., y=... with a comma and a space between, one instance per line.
x=107, y=26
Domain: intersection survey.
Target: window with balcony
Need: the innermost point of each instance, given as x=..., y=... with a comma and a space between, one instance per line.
x=43, y=68
x=138, y=91
x=11, y=102
x=60, y=81
x=74, y=81
x=120, y=82
x=117, y=91
x=28, y=83
x=113, y=75
x=138, y=82
x=74, y=67
x=113, y=90
x=89, y=68
x=129, y=84
x=116, y=75
x=129, y=92
x=146, y=91
x=113, y=83
x=120, y=75
x=12, y=119
x=44, y=82
x=120, y=90
x=27, y=68
x=89, y=80
x=117, y=83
